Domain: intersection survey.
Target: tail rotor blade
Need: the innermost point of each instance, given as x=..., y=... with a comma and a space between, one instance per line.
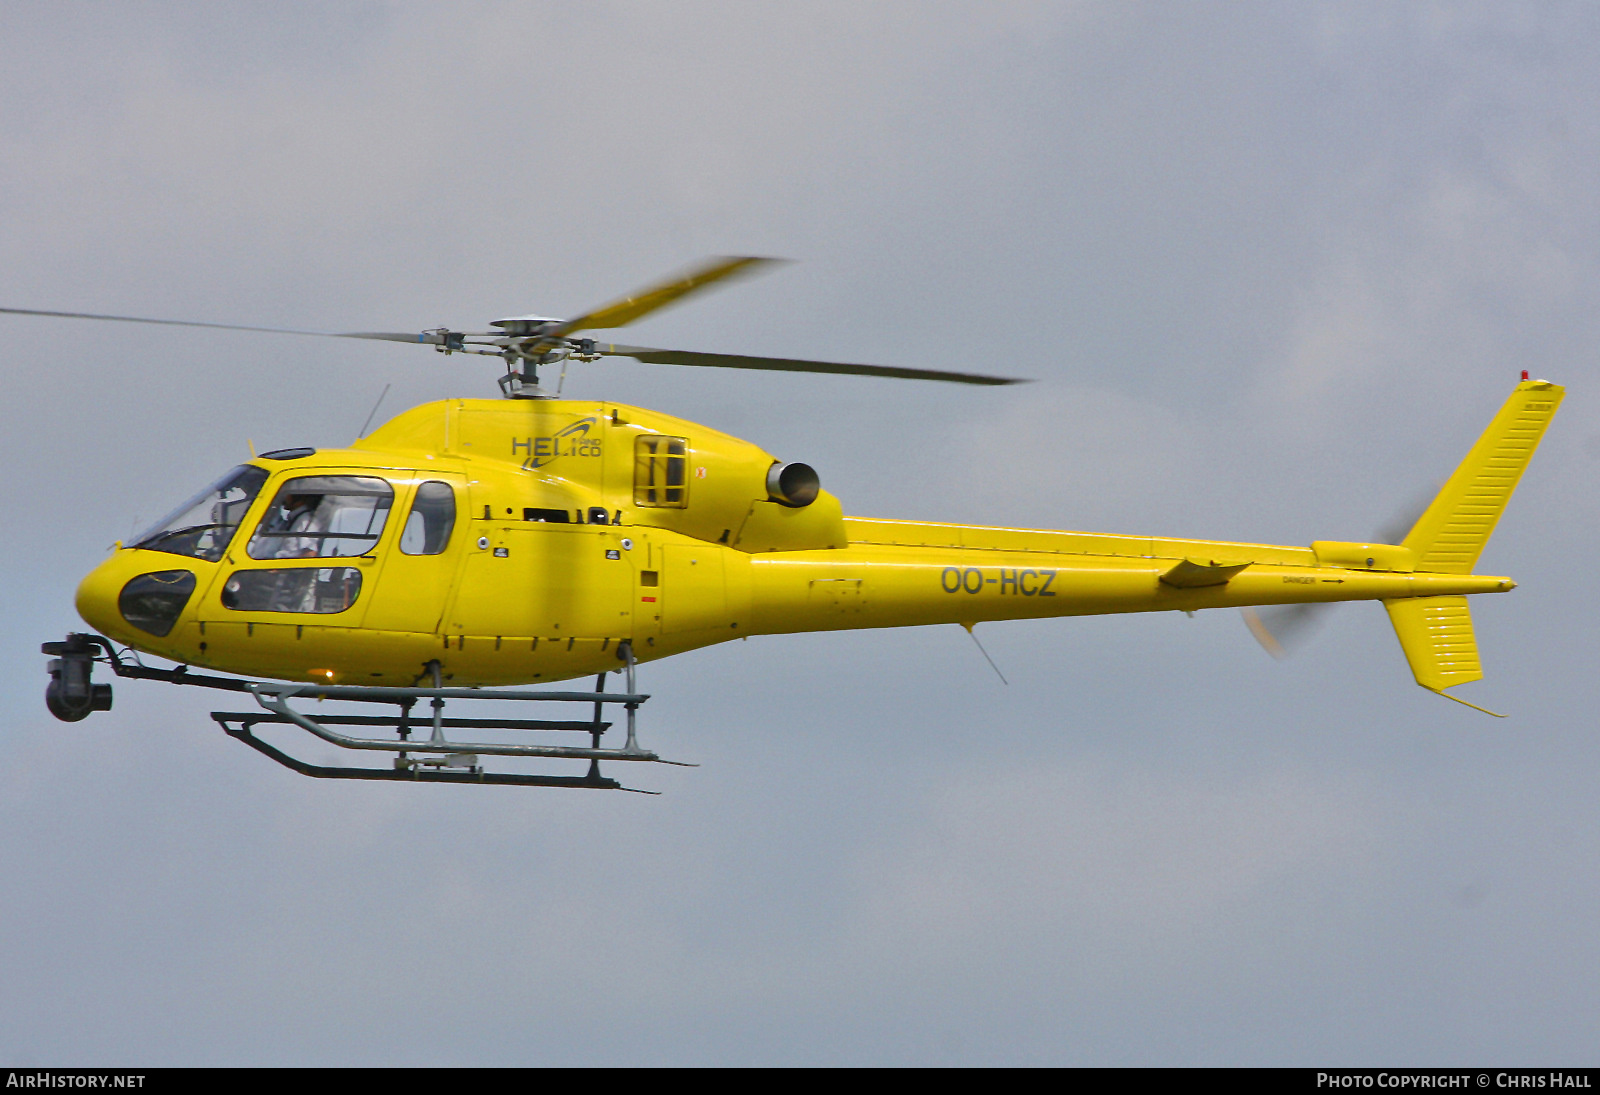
x=1405, y=518
x=1283, y=629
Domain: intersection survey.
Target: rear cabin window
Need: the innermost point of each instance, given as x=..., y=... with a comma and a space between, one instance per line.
x=661, y=471
x=433, y=515
x=323, y=516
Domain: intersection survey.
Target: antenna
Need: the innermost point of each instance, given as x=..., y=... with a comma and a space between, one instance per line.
x=990, y=660
x=374, y=412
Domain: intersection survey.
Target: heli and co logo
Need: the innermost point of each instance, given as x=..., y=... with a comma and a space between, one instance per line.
x=574, y=440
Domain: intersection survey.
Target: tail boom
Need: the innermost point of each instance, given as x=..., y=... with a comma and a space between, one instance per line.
x=879, y=585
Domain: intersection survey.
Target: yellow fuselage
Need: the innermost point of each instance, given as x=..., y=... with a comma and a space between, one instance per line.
x=517, y=597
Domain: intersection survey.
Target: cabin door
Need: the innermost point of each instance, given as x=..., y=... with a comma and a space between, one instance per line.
x=424, y=557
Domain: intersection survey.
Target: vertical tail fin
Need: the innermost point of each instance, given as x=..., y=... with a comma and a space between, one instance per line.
x=1436, y=632
x=1436, y=635
x=1451, y=533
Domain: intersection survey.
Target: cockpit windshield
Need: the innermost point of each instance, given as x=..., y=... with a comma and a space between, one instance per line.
x=204, y=526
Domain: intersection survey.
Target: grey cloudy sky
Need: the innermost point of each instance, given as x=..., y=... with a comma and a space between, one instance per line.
x=1273, y=266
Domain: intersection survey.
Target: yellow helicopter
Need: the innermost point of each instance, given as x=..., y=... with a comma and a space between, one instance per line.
x=472, y=543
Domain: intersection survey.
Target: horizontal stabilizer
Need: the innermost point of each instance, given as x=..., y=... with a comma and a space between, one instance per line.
x=1196, y=574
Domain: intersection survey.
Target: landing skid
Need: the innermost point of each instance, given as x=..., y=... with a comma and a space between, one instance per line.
x=436, y=758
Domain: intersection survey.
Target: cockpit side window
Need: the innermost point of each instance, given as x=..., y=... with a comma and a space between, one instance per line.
x=323, y=516
x=433, y=515
x=203, y=527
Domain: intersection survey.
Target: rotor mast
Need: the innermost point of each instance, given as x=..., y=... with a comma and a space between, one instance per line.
x=529, y=342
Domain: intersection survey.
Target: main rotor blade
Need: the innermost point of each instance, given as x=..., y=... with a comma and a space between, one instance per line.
x=432, y=338
x=162, y=322
x=793, y=365
x=646, y=300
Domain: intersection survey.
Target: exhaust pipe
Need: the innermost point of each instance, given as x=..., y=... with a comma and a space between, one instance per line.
x=792, y=485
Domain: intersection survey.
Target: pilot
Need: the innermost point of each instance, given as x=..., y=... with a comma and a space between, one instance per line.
x=297, y=513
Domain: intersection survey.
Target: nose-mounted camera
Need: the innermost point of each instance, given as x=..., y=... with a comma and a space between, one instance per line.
x=71, y=695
